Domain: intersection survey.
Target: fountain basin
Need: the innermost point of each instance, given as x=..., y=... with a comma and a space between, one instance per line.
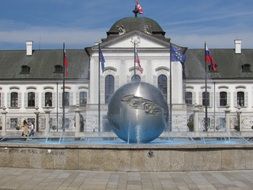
x=127, y=157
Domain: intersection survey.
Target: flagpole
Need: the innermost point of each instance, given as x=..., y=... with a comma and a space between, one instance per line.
x=170, y=114
x=99, y=108
x=63, y=90
x=134, y=59
x=206, y=116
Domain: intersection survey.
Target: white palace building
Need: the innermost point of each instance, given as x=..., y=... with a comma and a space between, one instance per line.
x=31, y=83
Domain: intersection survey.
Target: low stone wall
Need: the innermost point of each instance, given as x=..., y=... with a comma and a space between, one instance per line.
x=128, y=158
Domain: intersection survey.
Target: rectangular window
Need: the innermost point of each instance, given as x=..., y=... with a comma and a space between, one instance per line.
x=188, y=98
x=223, y=99
x=205, y=99
x=31, y=99
x=14, y=99
x=48, y=99
x=240, y=99
x=82, y=98
x=1, y=100
x=66, y=98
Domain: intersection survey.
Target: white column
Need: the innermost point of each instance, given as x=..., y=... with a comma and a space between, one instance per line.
x=227, y=113
x=4, y=112
x=47, y=112
x=196, y=119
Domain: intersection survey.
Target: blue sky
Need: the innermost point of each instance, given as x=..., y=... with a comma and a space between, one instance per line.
x=80, y=23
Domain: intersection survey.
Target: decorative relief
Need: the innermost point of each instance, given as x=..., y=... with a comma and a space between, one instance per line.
x=121, y=29
x=147, y=29
x=247, y=122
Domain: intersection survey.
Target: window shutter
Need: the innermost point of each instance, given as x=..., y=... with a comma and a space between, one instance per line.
x=60, y=99
x=25, y=99
x=71, y=99
x=2, y=100
x=36, y=99
x=246, y=99
x=8, y=99
x=43, y=99
x=228, y=98
x=194, y=98
x=20, y=99
x=200, y=98
x=54, y=99
x=78, y=98
x=211, y=97
x=235, y=99
x=217, y=99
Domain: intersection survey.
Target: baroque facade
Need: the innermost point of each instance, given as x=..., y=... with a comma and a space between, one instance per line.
x=31, y=82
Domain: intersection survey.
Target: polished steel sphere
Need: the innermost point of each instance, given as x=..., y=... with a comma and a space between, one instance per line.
x=138, y=112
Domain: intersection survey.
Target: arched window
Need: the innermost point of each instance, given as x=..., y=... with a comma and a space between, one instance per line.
x=223, y=98
x=205, y=99
x=109, y=87
x=240, y=99
x=162, y=85
x=82, y=98
x=48, y=99
x=14, y=99
x=31, y=99
x=188, y=98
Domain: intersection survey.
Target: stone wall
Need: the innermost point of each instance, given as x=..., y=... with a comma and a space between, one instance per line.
x=191, y=158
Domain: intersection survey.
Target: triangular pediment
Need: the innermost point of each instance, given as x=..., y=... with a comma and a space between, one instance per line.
x=145, y=41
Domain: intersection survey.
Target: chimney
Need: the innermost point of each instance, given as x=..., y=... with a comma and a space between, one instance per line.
x=238, y=46
x=29, y=48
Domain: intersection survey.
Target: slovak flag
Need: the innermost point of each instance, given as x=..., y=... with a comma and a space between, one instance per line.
x=138, y=7
x=137, y=60
x=210, y=60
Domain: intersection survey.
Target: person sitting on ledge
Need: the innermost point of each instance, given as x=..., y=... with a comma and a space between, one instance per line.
x=25, y=129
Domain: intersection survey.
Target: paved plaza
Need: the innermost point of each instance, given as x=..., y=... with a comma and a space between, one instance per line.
x=38, y=179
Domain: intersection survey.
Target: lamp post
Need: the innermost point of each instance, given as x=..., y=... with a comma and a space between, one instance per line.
x=36, y=112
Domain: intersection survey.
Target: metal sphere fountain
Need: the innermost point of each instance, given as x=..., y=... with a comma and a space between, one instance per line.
x=138, y=112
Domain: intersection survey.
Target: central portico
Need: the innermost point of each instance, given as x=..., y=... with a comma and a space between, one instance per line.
x=154, y=54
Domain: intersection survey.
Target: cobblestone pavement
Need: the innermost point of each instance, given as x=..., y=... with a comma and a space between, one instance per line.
x=38, y=179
